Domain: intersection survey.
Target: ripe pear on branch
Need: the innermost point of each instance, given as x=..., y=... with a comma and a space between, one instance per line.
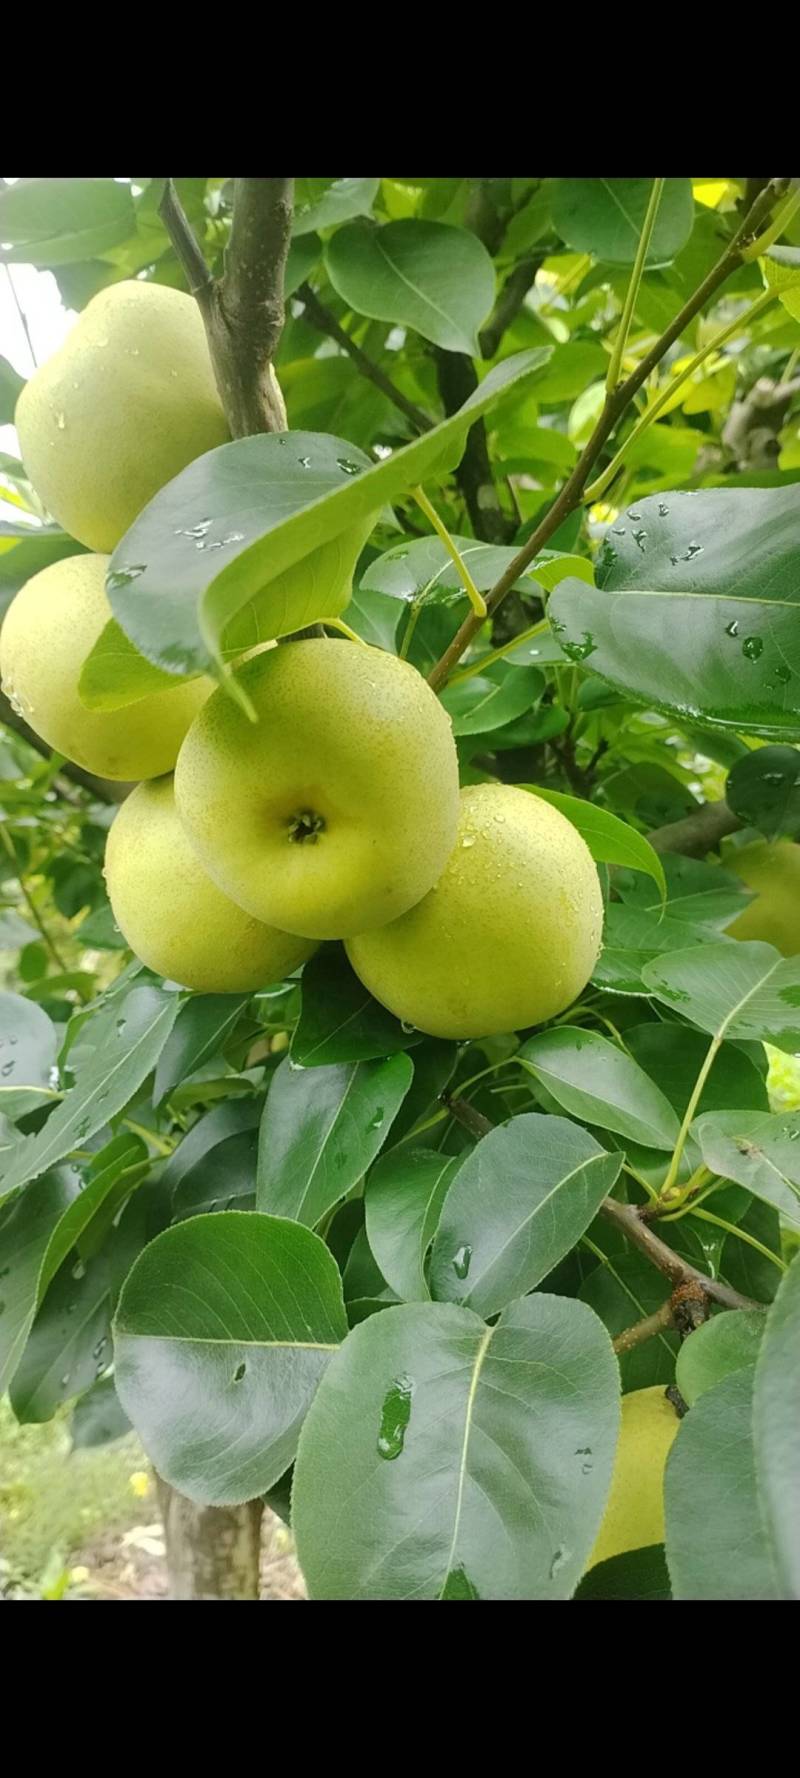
x=121, y=408
x=508, y=935
x=172, y=915
x=49, y=629
x=335, y=810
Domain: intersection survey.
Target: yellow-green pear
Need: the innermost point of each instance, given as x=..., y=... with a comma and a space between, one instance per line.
x=774, y=915
x=171, y=913
x=336, y=809
x=49, y=629
x=634, y=1515
x=124, y=404
x=508, y=936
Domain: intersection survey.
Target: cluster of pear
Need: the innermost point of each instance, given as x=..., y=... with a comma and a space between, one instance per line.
x=336, y=814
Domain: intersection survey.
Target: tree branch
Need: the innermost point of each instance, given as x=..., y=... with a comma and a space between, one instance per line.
x=615, y=405
x=457, y=379
x=697, y=833
x=644, y=1330
x=243, y=310
x=626, y=1218
x=509, y=302
x=326, y=321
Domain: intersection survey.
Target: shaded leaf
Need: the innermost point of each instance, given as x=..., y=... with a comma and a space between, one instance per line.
x=339, y=1020
x=600, y=1083
x=321, y=1129
x=199, y=1031
x=403, y=1198
x=224, y=1328
x=721, y=1551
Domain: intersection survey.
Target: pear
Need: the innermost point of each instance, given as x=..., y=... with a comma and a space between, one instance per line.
x=174, y=917
x=508, y=936
x=337, y=808
x=774, y=915
x=124, y=404
x=49, y=629
x=634, y=1515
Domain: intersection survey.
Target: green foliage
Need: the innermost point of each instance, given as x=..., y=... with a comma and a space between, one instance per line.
x=282, y=1229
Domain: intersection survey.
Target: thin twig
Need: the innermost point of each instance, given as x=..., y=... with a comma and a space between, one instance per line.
x=645, y=1329
x=46, y=936
x=626, y=1218
x=323, y=318
x=616, y=402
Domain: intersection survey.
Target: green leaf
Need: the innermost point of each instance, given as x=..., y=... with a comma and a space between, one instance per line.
x=674, y=1054
x=430, y=276
x=703, y=895
x=715, y=1541
x=339, y=1020
x=28, y=1044
x=304, y=254
x=26, y=1230
x=130, y=1035
x=321, y=1130
x=488, y=700
x=47, y=222
x=403, y=1198
x=214, y=1127
x=699, y=617
x=639, y=1574
x=605, y=216
x=758, y=1151
x=624, y=1290
x=423, y=565
x=69, y=1345
x=32, y=550
x=290, y=515
x=599, y=1083
x=11, y=384
x=776, y=1431
x=224, y=1328
x=98, y=1417
x=324, y=203
x=222, y=1179
x=116, y=674
x=609, y=840
x=732, y=990
x=724, y=1344
x=442, y=1458
x=763, y=790
x=434, y=1065
x=521, y=1199
x=199, y=1031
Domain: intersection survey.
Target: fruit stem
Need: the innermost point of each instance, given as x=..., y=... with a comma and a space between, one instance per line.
x=476, y=599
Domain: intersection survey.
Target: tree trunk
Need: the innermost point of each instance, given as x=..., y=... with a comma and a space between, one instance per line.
x=212, y=1551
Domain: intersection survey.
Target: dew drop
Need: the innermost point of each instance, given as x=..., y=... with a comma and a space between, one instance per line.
x=376, y=1121
x=64, y=1381
x=638, y=538
x=100, y=1347
x=663, y=511
x=462, y=1261
x=468, y=840
x=122, y=577
x=305, y=462
x=558, y=1561
x=395, y=1415
x=7, y=1068
x=79, y=1270
x=732, y=629
x=348, y=467
x=61, y=422
x=239, y=1372
x=753, y=647
x=694, y=549
x=782, y=673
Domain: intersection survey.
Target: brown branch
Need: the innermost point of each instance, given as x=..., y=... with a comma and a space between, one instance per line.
x=615, y=405
x=645, y=1330
x=509, y=302
x=457, y=379
x=243, y=310
x=697, y=833
x=626, y=1218
x=465, y=1114
x=324, y=319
